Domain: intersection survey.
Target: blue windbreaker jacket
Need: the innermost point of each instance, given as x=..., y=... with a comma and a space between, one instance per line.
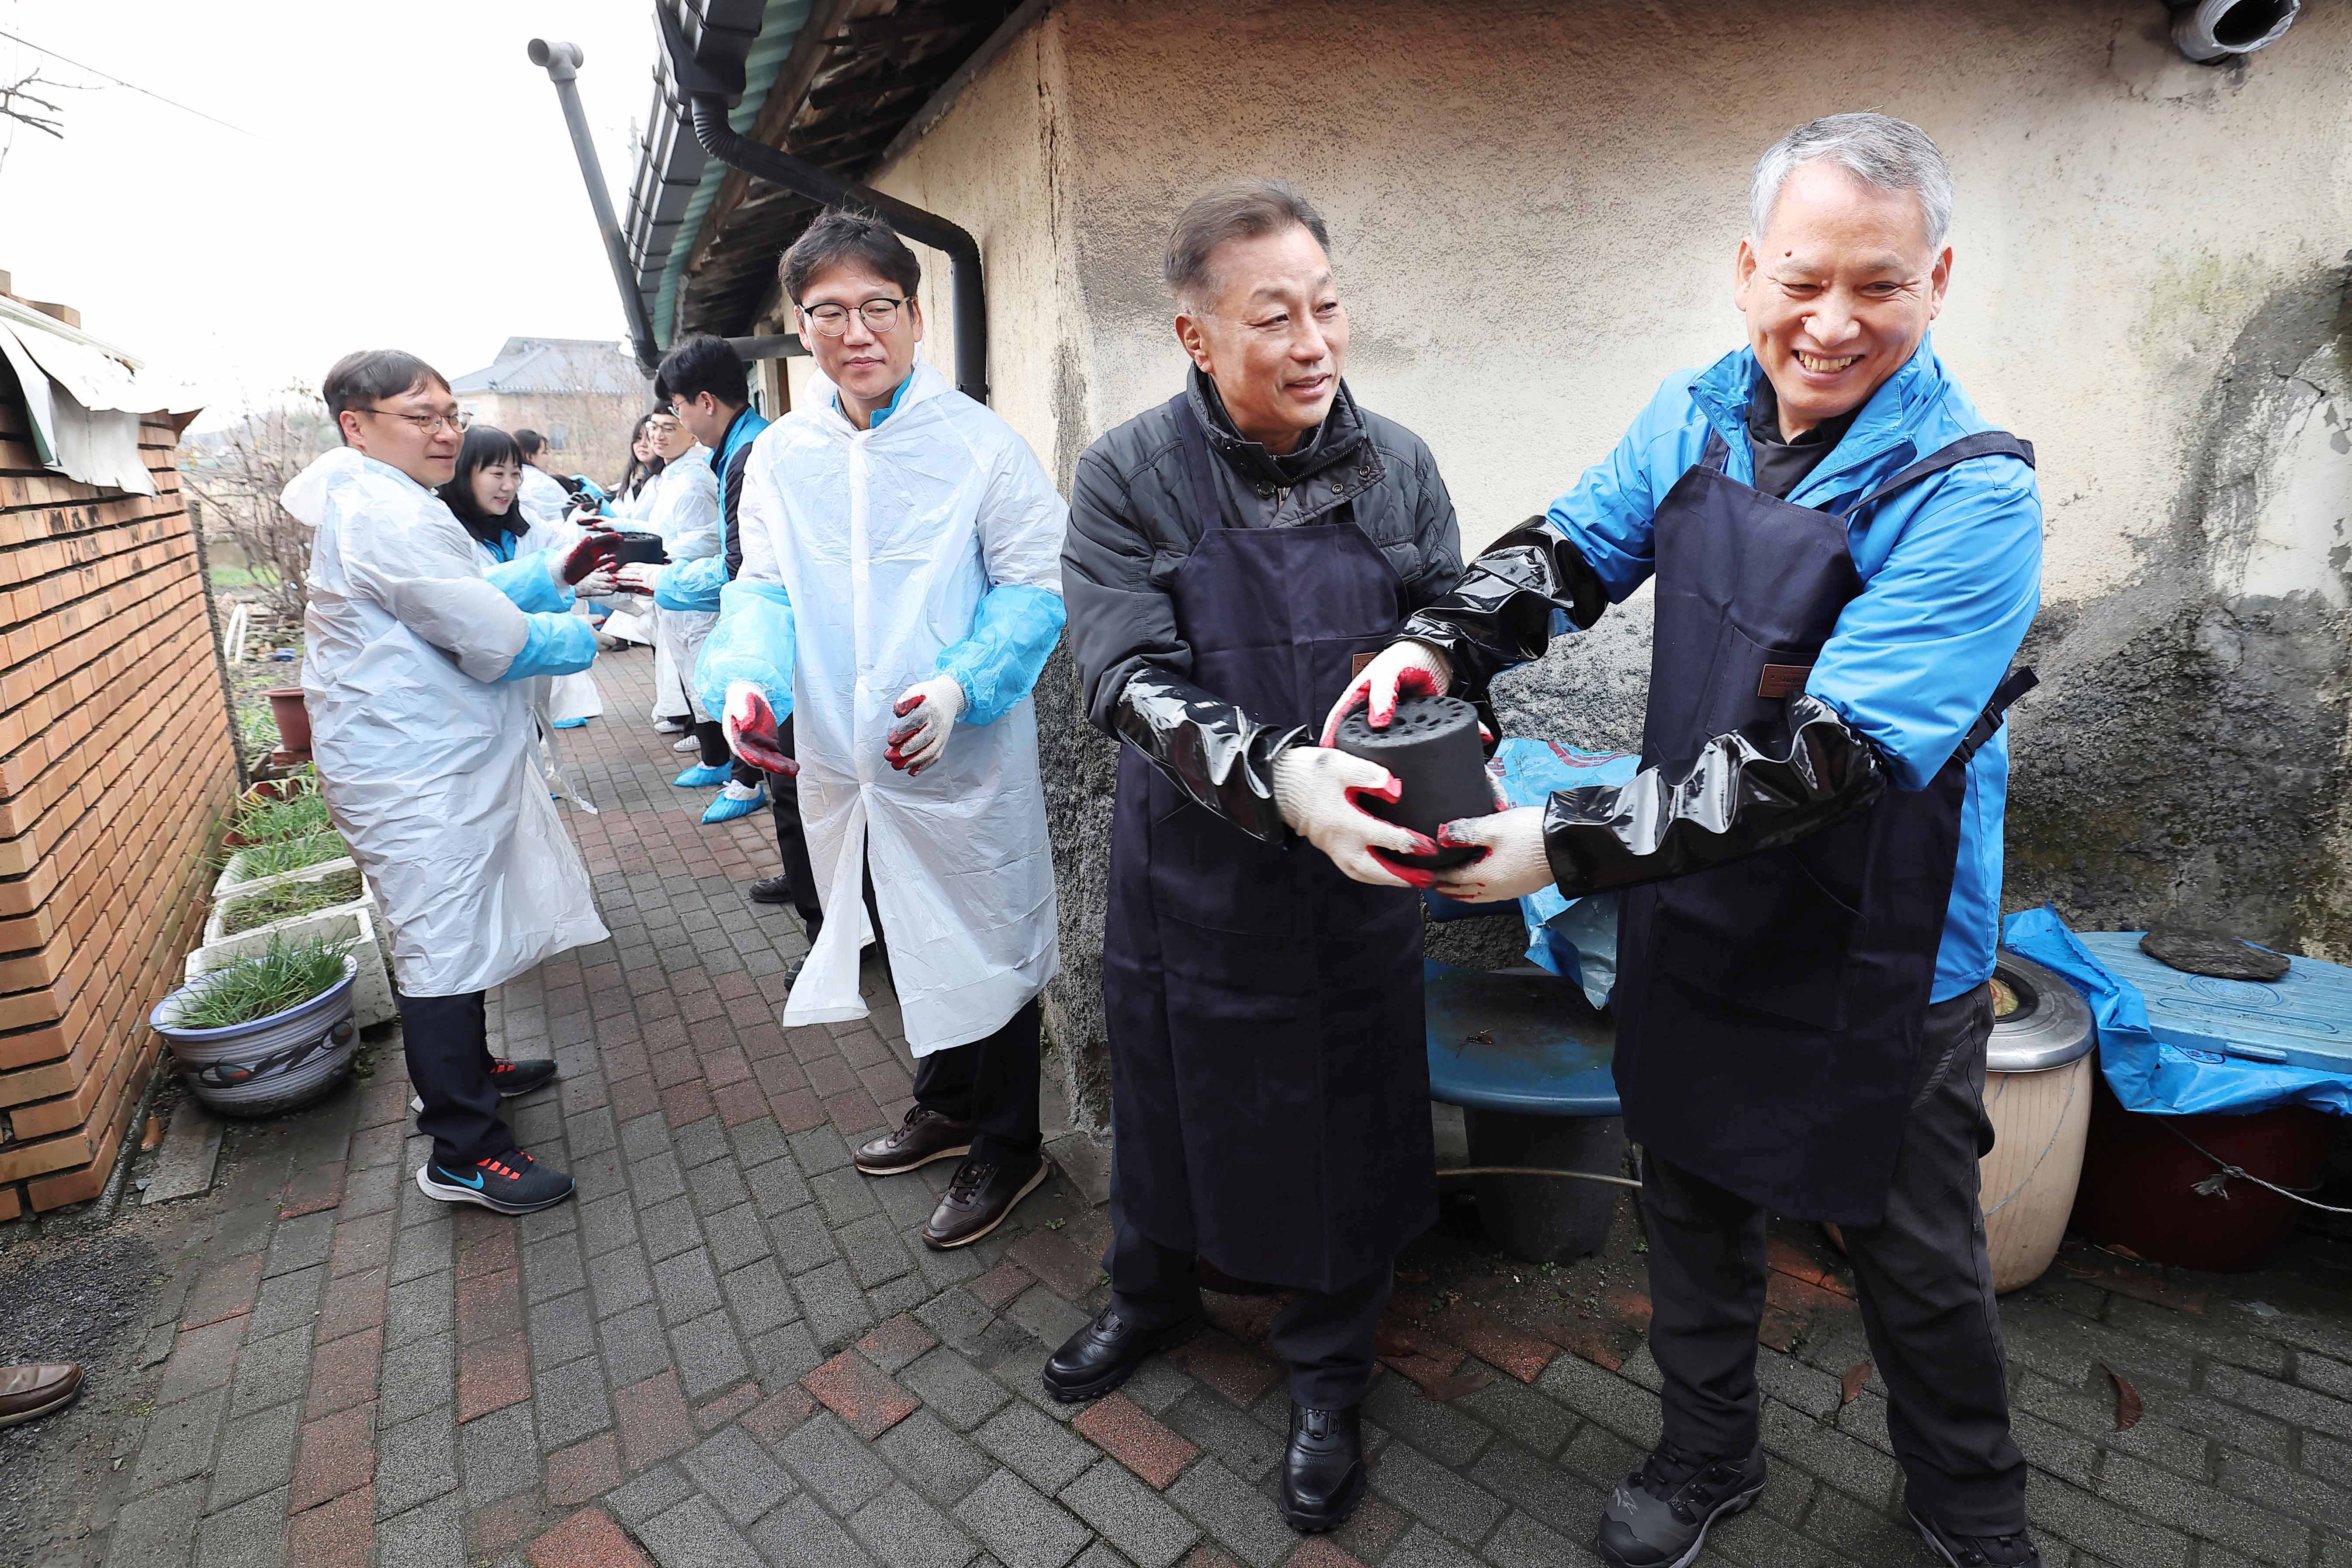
x=1951, y=574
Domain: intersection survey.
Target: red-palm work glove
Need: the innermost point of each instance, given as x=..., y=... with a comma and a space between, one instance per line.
x=587, y=555
x=751, y=730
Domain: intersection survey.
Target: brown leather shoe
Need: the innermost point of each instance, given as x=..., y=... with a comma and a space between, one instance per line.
x=37, y=1389
x=978, y=1200
x=923, y=1137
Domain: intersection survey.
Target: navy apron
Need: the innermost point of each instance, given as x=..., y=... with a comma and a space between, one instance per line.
x=1269, y=1075
x=1770, y=1012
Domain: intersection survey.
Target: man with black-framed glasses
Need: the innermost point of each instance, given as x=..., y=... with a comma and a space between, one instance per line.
x=899, y=596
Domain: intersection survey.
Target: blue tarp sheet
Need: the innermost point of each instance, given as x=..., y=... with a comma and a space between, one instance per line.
x=1576, y=939
x=2147, y=1072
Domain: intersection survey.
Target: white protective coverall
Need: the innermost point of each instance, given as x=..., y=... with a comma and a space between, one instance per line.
x=886, y=543
x=685, y=511
x=416, y=678
x=543, y=497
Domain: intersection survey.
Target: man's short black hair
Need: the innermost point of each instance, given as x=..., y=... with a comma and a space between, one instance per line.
x=365, y=379
x=703, y=363
x=840, y=237
x=531, y=443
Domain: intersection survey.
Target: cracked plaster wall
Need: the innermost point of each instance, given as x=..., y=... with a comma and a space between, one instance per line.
x=1534, y=210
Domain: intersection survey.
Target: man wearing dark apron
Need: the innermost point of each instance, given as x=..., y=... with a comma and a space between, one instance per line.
x=1846, y=558
x=1233, y=555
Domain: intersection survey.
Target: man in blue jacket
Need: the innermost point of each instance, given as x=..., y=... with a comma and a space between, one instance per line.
x=1846, y=558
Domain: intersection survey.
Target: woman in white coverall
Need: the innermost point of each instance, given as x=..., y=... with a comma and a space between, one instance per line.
x=415, y=679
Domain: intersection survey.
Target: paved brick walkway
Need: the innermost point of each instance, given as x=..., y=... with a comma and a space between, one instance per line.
x=727, y=1353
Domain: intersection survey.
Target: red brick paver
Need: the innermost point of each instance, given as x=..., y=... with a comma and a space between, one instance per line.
x=1119, y=1426
x=589, y=1539
x=338, y=1456
x=340, y=1534
x=492, y=1375
x=856, y=1389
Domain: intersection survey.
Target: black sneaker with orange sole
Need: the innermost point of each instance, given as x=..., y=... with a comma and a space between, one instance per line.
x=512, y=1183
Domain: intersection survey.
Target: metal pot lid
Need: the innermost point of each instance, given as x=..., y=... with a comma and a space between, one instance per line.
x=2050, y=1027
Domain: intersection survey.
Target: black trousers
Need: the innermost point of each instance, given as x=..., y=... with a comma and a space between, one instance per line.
x=792, y=840
x=447, y=1040
x=1327, y=1338
x=991, y=1083
x=1926, y=1290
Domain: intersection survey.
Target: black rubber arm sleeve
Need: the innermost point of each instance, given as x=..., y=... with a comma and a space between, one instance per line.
x=1737, y=799
x=1214, y=753
x=1499, y=616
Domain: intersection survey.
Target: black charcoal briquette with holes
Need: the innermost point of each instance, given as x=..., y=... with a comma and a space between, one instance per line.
x=1431, y=746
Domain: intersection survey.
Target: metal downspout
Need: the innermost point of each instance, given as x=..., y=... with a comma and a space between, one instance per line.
x=822, y=186
x=561, y=62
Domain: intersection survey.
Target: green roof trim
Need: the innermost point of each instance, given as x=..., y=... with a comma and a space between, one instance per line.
x=779, y=29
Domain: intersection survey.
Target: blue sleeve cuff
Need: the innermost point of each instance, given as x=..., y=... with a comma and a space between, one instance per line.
x=526, y=581
x=558, y=645
x=1011, y=637
x=751, y=641
x=691, y=585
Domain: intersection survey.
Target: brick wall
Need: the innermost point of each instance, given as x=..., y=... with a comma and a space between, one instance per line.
x=115, y=770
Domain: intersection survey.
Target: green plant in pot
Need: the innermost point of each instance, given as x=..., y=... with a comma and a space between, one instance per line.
x=266, y=1032
x=274, y=856
x=284, y=901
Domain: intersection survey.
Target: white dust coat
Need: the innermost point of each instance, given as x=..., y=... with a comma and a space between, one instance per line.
x=884, y=540
x=426, y=758
x=685, y=511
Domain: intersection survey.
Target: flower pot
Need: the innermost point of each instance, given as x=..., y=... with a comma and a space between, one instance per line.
x=373, y=996
x=293, y=719
x=272, y=1064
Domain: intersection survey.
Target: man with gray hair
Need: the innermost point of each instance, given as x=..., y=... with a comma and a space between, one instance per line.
x=1846, y=558
x=1231, y=552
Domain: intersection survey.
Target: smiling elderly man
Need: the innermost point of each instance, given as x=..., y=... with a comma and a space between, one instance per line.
x=1846, y=558
x=1231, y=554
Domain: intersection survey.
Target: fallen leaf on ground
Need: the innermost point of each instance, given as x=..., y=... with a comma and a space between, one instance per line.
x=1850, y=1385
x=2127, y=1401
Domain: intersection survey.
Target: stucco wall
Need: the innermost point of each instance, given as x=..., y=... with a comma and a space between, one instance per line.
x=1534, y=211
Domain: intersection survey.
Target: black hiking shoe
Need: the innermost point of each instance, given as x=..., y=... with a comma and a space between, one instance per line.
x=1978, y=1551
x=1659, y=1516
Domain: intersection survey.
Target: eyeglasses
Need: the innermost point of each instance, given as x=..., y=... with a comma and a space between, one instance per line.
x=426, y=424
x=832, y=321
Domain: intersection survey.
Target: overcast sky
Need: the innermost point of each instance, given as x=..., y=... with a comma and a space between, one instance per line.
x=408, y=182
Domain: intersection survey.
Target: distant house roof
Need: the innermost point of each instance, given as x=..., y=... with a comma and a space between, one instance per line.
x=562, y=367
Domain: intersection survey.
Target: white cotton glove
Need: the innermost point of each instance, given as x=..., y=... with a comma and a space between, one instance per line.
x=931, y=709
x=638, y=577
x=1404, y=668
x=597, y=584
x=1513, y=865
x=1315, y=788
x=752, y=732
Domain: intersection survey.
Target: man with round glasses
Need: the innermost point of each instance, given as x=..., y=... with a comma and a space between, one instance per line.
x=899, y=591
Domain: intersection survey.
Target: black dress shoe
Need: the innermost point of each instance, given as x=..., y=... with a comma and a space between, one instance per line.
x=1106, y=1352
x=777, y=889
x=1323, y=1469
x=978, y=1198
